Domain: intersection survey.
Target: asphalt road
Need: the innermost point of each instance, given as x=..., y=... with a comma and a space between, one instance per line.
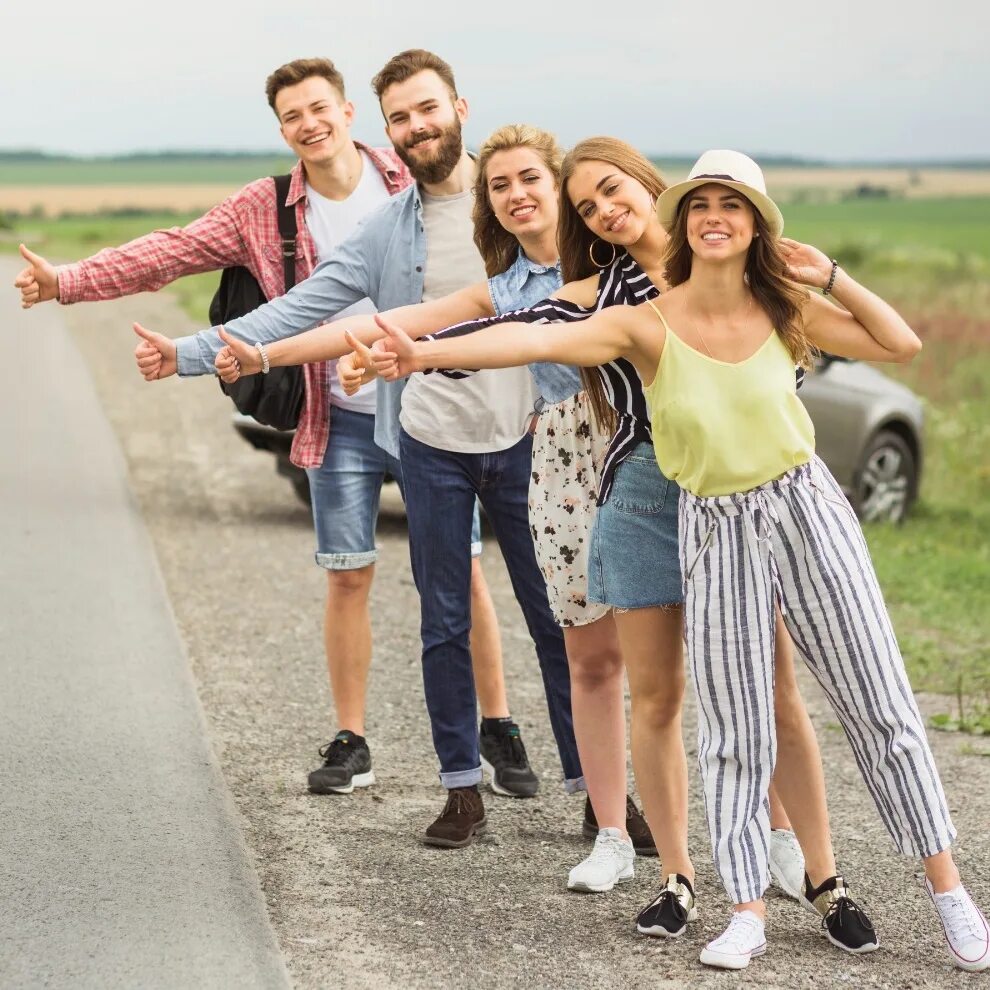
x=121, y=854
x=355, y=900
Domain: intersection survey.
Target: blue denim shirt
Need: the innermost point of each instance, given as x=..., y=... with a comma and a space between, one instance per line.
x=520, y=286
x=382, y=260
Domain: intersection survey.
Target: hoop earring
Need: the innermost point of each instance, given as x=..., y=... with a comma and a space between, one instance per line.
x=591, y=254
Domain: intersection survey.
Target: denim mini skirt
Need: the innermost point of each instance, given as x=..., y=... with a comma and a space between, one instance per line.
x=634, y=560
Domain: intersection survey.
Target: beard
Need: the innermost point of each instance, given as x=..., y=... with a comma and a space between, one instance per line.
x=448, y=153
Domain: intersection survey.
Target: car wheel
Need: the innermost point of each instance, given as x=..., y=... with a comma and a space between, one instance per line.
x=300, y=485
x=886, y=480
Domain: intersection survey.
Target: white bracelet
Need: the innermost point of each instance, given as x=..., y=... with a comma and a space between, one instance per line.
x=265, y=366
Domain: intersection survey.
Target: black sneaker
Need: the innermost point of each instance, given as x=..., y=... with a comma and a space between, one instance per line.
x=346, y=765
x=844, y=922
x=668, y=914
x=636, y=827
x=503, y=755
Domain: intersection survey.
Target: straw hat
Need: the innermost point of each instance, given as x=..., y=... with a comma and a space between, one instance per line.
x=727, y=168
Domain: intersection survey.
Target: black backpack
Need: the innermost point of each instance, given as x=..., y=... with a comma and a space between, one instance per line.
x=275, y=399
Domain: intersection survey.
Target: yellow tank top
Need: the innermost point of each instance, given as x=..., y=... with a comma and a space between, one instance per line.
x=721, y=427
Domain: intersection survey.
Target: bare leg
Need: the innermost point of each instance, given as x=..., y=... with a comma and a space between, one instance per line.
x=486, y=648
x=650, y=639
x=778, y=816
x=599, y=716
x=798, y=777
x=347, y=640
x=941, y=871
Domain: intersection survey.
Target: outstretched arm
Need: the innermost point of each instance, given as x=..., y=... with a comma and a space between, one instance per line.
x=597, y=340
x=868, y=329
x=327, y=342
x=211, y=242
x=348, y=275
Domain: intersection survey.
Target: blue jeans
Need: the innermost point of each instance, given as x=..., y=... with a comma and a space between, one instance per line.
x=345, y=492
x=440, y=488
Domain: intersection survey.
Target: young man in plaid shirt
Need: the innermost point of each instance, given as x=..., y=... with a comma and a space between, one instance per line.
x=335, y=183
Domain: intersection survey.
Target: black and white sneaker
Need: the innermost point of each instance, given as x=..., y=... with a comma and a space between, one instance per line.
x=844, y=922
x=503, y=756
x=668, y=914
x=346, y=765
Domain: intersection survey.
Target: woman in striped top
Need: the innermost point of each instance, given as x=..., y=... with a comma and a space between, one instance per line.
x=606, y=214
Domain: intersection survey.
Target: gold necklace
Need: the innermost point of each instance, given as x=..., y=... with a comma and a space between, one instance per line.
x=701, y=336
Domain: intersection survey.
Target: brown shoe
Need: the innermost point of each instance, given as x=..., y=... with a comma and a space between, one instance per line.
x=639, y=831
x=462, y=818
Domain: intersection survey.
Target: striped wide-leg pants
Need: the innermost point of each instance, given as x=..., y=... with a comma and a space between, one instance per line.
x=795, y=541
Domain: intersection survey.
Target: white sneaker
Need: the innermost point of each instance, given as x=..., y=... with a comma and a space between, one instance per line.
x=786, y=862
x=743, y=939
x=610, y=862
x=965, y=927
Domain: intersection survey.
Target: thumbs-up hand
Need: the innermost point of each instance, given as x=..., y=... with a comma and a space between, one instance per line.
x=358, y=367
x=236, y=359
x=38, y=282
x=396, y=351
x=155, y=354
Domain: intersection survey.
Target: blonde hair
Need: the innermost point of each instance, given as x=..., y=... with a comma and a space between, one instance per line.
x=575, y=240
x=497, y=246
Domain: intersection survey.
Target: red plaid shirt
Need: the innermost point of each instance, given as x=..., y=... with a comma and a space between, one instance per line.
x=242, y=230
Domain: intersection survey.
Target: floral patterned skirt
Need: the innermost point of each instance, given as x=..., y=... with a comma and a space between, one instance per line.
x=563, y=488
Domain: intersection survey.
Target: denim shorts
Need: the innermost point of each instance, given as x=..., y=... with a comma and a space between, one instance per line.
x=634, y=553
x=345, y=492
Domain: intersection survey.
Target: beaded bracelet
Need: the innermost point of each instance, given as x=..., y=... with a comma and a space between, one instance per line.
x=265, y=367
x=831, y=278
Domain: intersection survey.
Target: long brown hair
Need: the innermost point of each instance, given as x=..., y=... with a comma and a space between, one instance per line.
x=574, y=239
x=497, y=246
x=780, y=298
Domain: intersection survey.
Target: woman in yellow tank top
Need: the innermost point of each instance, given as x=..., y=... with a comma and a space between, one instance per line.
x=762, y=525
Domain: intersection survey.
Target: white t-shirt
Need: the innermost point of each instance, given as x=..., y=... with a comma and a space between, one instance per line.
x=330, y=222
x=487, y=411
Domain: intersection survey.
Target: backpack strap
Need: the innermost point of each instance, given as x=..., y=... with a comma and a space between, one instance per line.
x=286, y=228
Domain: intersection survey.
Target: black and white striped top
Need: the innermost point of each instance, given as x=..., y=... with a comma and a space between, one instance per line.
x=623, y=283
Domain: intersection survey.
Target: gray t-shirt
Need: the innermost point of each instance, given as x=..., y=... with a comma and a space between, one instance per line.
x=490, y=410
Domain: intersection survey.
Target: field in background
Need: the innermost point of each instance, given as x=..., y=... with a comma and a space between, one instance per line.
x=54, y=187
x=927, y=251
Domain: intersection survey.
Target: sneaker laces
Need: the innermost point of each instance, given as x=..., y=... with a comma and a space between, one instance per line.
x=840, y=908
x=513, y=747
x=740, y=934
x=958, y=918
x=605, y=848
x=668, y=899
x=339, y=746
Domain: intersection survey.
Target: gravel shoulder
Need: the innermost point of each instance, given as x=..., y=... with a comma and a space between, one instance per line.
x=354, y=898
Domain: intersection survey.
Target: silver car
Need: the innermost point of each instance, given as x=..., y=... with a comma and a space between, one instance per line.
x=868, y=429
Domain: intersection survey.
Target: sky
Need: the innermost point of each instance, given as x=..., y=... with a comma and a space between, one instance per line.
x=834, y=80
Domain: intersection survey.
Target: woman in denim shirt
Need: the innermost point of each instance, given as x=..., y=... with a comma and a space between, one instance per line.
x=515, y=221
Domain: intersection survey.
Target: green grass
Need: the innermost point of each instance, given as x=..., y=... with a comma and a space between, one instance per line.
x=932, y=260
x=231, y=171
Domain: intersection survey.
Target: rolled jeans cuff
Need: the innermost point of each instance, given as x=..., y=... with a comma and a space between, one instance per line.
x=461, y=778
x=575, y=786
